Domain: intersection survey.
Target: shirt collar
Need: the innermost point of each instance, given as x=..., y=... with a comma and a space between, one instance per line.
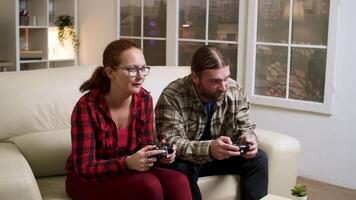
x=97, y=96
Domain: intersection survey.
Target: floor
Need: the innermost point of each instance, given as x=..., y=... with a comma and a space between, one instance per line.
x=324, y=191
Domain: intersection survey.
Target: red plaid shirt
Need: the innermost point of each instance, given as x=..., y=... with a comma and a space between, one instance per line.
x=95, y=153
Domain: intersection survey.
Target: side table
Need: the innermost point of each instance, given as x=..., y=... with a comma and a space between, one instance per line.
x=274, y=197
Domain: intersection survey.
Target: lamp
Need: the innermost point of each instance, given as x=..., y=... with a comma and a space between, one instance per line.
x=56, y=50
x=186, y=25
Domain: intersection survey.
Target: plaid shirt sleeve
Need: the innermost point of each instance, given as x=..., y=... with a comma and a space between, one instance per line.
x=84, y=148
x=243, y=124
x=171, y=125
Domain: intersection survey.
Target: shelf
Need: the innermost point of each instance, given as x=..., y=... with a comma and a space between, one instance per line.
x=33, y=27
x=33, y=66
x=29, y=38
x=7, y=66
x=32, y=61
x=61, y=63
x=60, y=60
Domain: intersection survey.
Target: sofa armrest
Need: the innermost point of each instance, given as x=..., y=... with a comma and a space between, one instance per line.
x=16, y=178
x=283, y=158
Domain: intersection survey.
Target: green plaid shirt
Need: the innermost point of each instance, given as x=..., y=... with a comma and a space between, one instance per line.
x=181, y=118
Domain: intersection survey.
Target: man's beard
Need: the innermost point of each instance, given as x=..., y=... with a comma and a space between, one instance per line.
x=216, y=96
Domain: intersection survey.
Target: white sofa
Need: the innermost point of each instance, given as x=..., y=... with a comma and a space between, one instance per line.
x=35, y=109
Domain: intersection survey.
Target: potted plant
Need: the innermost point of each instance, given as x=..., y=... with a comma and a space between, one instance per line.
x=299, y=192
x=66, y=30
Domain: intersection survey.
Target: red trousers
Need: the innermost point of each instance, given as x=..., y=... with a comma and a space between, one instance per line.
x=155, y=184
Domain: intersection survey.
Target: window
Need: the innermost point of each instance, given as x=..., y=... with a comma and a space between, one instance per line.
x=209, y=22
x=290, y=51
x=284, y=49
x=144, y=22
x=190, y=24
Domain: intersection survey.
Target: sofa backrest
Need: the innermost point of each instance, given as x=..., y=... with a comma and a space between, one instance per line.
x=36, y=106
x=160, y=77
x=39, y=100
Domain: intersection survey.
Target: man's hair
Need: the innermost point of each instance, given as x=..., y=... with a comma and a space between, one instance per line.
x=207, y=57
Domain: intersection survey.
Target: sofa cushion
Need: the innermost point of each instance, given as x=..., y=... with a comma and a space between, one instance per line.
x=46, y=152
x=53, y=188
x=16, y=178
x=222, y=187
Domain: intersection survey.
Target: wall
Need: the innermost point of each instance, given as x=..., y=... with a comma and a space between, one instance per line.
x=8, y=31
x=327, y=141
x=97, y=28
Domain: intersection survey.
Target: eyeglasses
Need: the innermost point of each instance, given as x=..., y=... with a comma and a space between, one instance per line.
x=133, y=70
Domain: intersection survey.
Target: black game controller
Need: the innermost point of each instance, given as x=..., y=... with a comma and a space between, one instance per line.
x=243, y=148
x=167, y=148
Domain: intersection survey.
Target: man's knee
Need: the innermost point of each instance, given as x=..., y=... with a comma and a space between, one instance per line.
x=262, y=160
x=185, y=167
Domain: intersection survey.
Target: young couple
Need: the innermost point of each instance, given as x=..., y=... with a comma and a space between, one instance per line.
x=114, y=155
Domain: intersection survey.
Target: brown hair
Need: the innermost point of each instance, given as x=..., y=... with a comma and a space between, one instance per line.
x=111, y=58
x=207, y=57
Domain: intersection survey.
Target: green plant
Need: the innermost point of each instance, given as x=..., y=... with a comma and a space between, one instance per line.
x=299, y=190
x=66, y=30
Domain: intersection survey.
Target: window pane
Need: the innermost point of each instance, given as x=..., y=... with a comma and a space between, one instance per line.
x=229, y=51
x=155, y=18
x=223, y=20
x=130, y=17
x=271, y=71
x=155, y=52
x=192, y=18
x=310, y=22
x=307, y=77
x=186, y=52
x=272, y=24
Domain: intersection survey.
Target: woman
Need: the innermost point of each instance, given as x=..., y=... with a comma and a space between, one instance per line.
x=113, y=155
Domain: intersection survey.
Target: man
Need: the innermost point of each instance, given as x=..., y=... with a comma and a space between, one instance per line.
x=206, y=114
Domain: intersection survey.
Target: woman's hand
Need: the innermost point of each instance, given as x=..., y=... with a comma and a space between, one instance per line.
x=143, y=159
x=170, y=157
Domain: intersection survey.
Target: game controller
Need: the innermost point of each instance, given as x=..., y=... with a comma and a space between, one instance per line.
x=167, y=148
x=243, y=148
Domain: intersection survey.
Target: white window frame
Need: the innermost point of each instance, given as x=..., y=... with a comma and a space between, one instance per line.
x=323, y=108
x=172, y=34
x=141, y=37
x=240, y=41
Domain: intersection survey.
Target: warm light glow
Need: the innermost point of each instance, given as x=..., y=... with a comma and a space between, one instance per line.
x=186, y=25
x=298, y=11
x=57, y=51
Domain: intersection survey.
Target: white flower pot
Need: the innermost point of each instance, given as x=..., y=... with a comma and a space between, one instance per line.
x=299, y=198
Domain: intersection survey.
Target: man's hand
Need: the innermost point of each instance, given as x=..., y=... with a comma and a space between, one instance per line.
x=170, y=157
x=252, y=140
x=222, y=148
x=143, y=159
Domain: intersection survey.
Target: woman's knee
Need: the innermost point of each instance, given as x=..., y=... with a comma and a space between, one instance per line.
x=150, y=187
x=181, y=179
x=176, y=186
